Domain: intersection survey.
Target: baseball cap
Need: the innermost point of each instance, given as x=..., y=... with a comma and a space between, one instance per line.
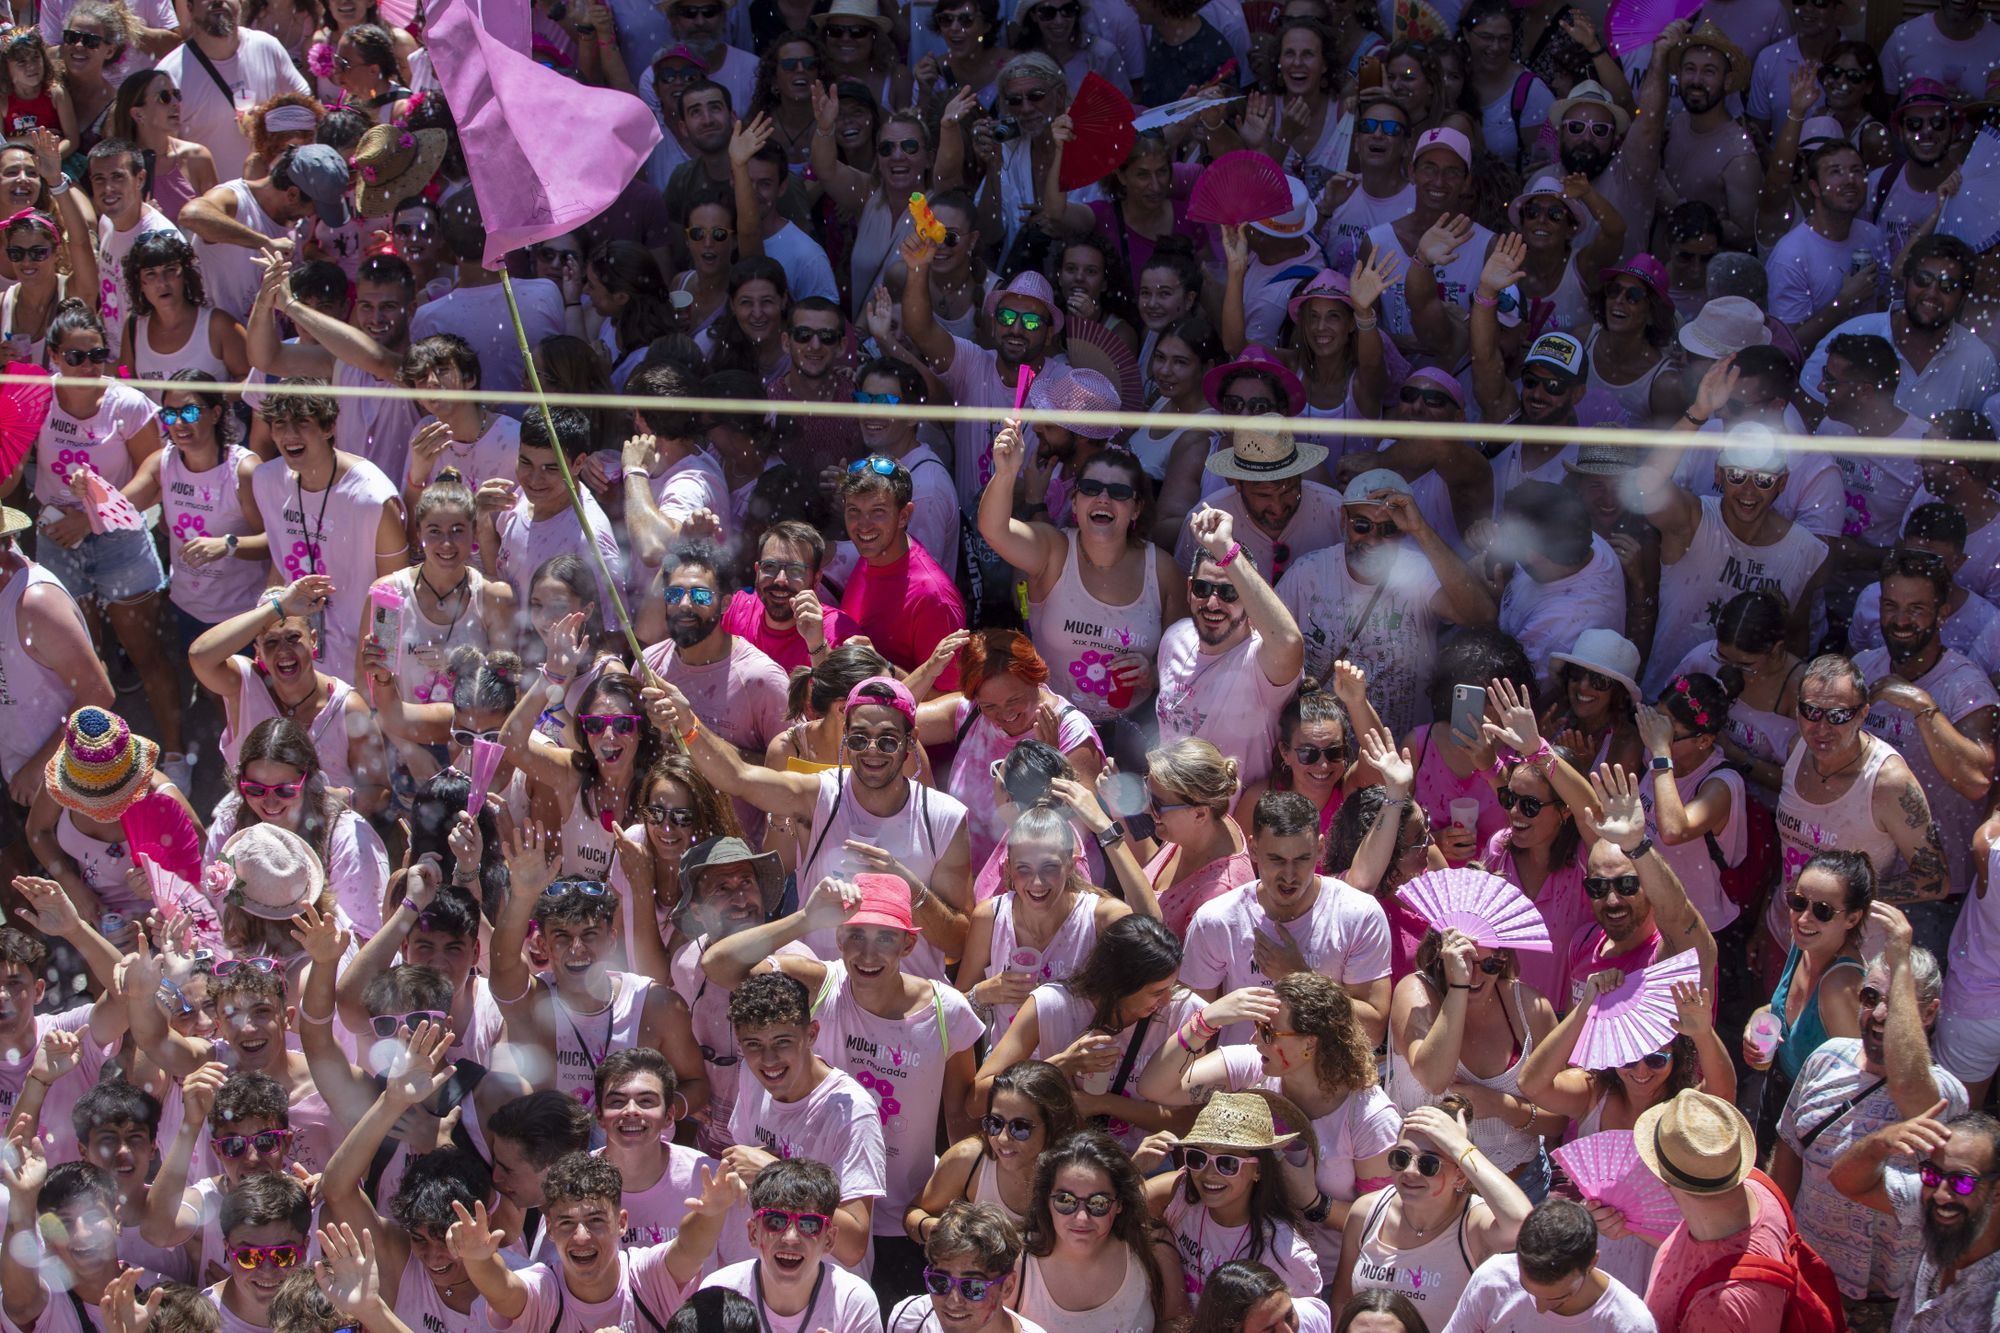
x=321, y=175
x=1449, y=139
x=871, y=690
x=1364, y=488
x=1561, y=351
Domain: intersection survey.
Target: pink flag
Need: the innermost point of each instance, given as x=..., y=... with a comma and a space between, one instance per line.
x=536, y=171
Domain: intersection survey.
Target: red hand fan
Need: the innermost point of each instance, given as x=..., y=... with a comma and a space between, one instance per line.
x=1633, y=25
x=23, y=409
x=1092, y=346
x=1416, y=21
x=1239, y=188
x=1104, y=134
x=157, y=827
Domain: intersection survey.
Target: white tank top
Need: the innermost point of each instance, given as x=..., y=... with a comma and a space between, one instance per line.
x=30, y=345
x=1715, y=567
x=583, y=1040
x=206, y=504
x=1067, y=949
x=328, y=731
x=588, y=848
x=1973, y=975
x=1506, y=1147
x=34, y=701
x=1691, y=860
x=1432, y=1275
x=194, y=354
x=986, y=1188
x=1155, y=448
x=1456, y=280
x=422, y=683
x=1130, y=1309
x=1847, y=822
x=1634, y=396
x=1078, y=635
x=917, y=835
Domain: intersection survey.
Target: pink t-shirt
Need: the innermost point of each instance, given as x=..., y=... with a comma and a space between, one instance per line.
x=1436, y=787
x=1563, y=907
x=846, y=1303
x=330, y=532
x=643, y=1280
x=494, y=456
x=1224, y=698
x=653, y=1214
x=98, y=441
x=1583, y=961
x=1344, y=936
x=1179, y=903
x=206, y=504
x=525, y=543
x=1726, y=1307
x=744, y=617
x=906, y=608
x=57, y=1134
x=839, y=1123
x=741, y=698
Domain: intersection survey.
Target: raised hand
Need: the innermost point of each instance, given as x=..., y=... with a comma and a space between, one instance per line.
x=826, y=107
x=917, y=252
x=49, y=908
x=198, y=1091
x=1460, y=954
x=1656, y=730
x=306, y=594
x=320, y=935
x=1694, y=1009
x=1918, y=1137
x=1622, y=822
x=1010, y=450
x=1083, y=801
x=473, y=1237
x=60, y=1052
x=1440, y=245
x=567, y=650
x=1235, y=248
x=24, y=1168
x=1445, y=1131
x=1250, y=1004
x=531, y=860
x=465, y=843
x=1506, y=264
x=120, y=1306
x=1719, y=383
x=721, y=1190
x=639, y=452
x=1804, y=90
x=1373, y=276
x=1213, y=531
x=830, y=903
x=1378, y=750
x=1894, y=930
x=421, y=1070
x=667, y=708
x=1516, y=727
x=745, y=141
x=348, y=1275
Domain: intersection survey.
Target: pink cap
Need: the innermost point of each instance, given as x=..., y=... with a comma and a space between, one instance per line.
x=1643, y=267
x=1442, y=379
x=1451, y=140
x=1923, y=90
x=682, y=53
x=871, y=690
x=885, y=901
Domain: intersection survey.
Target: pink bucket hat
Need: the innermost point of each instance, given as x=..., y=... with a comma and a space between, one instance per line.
x=1077, y=389
x=1326, y=285
x=1028, y=285
x=885, y=901
x=277, y=872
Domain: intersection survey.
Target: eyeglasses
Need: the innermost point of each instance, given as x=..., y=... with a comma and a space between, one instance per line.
x=794, y=570
x=1428, y=1163
x=1529, y=806
x=674, y=596
x=1596, y=129
x=680, y=816
x=34, y=253
x=1236, y=405
x=1736, y=476
x=1361, y=527
x=777, y=1221
x=1833, y=717
x=463, y=737
x=89, y=41
x=1268, y=1034
x=890, y=399
x=1389, y=129
x=1031, y=320
x=1196, y=1159
x=1599, y=887
x=700, y=234
x=180, y=416
x=618, y=724
x=1436, y=399
x=975, y=1289
x=793, y=64
x=1120, y=491
x=95, y=356
x=886, y=742
x=800, y=333
x=1203, y=589
x=285, y=1255
x=1066, y=1203
x=1924, y=279
x=1842, y=74
x=257, y=791
x=385, y=1025
x=1915, y=124
x=1020, y=1128
x=1962, y=1182
x=1653, y=1060
x=1033, y=97
x=906, y=147
x=228, y=967
x=1821, y=912
x=1309, y=755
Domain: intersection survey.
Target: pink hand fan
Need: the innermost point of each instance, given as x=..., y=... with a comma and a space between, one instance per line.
x=107, y=507
x=1485, y=907
x=1606, y=1169
x=486, y=757
x=174, y=896
x=1633, y=25
x=1239, y=188
x=156, y=827
x=1636, y=1019
x=23, y=409
x=1022, y=379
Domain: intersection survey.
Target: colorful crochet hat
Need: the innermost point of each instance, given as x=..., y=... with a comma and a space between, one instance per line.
x=101, y=767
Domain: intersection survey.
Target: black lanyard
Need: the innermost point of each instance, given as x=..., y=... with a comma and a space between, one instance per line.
x=318, y=534
x=610, y=1022
x=805, y=1318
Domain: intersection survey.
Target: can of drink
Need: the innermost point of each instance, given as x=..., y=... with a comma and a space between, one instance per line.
x=1859, y=260
x=110, y=924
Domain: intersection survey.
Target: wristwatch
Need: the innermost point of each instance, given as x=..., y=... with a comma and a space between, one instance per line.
x=1110, y=836
x=1636, y=853
x=1661, y=764
x=229, y=540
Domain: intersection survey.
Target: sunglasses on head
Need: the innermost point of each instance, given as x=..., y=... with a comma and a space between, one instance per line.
x=95, y=356
x=700, y=234
x=1736, y=476
x=618, y=724
x=674, y=596
x=463, y=737
x=1436, y=399
x=1428, y=1163
x=802, y=334
x=285, y=1255
x=889, y=147
x=1117, y=490
x=1203, y=589
x=1309, y=755
x=886, y=742
x=680, y=816
x=777, y=1221
x=1031, y=320
x=257, y=791
x=1529, y=806
x=880, y=466
x=35, y=253
x=385, y=1025
x=1361, y=527
x=180, y=416
x=1197, y=1159
x=1236, y=405
x=1599, y=887
x=975, y=1289
x=228, y=967
x=1066, y=1203
x=1821, y=912
x=1962, y=1182
x=589, y=888
x=264, y=1144
x=1390, y=129
x=1596, y=129
x=1020, y=1128
x=1833, y=717
x=89, y=41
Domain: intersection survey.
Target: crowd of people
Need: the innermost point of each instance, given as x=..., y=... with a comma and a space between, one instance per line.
x=689, y=860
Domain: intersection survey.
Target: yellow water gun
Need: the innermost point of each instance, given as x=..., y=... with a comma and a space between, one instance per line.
x=927, y=222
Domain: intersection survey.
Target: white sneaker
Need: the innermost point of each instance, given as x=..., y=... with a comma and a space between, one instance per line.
x=179, y=769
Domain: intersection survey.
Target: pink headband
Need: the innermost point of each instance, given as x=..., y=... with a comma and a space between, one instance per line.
x=31, y=217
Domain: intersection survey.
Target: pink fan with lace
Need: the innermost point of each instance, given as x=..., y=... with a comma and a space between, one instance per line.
x=1482, y=906
x=1637, y=1019
x=1606, y=1169
x=107, y=507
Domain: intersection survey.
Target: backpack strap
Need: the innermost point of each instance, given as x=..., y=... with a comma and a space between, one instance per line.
x=1517, y=101
x=1882, y=187
x=1743, y=1268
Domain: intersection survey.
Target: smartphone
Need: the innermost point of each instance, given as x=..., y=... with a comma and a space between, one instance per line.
x=1468, y=710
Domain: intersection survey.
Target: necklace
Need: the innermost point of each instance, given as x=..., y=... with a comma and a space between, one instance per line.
x=464, y=580
x=1823, y=776
x=291, y=711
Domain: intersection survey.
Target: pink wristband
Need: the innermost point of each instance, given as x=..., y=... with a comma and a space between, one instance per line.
x=1490, y=302
x=1235, y=549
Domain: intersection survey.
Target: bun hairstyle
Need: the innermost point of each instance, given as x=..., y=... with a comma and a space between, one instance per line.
x=1750, y=622
x=816, y=690
x=1193, y=768
x=1309, y=703
x=485, y=682
x=447, y=490
x=1028, y=773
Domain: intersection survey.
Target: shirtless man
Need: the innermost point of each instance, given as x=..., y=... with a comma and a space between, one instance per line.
x=1709, y=156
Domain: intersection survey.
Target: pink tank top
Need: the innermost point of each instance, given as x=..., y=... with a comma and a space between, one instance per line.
x=589, y=849
x=102, y=865
x=1078, y=636
x=328, y=730
x=206, y=504
x=1129, y=1309
x=1436, y=787
x=1846, y=822
x=1066, y=952
x=427, y=643
x=583, y=1040
x=419, y=1305
x=33, y=699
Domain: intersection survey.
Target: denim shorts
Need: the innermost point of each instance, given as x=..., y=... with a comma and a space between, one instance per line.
x=113, y=567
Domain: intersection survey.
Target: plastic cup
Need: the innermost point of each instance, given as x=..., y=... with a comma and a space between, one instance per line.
x=1025, y=960
x=1465, y=813
x=1760, y=1039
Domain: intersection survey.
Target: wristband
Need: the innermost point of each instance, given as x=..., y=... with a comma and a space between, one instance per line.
x=1638, y=849
x=1362, y=325
x=1490, y=302
x=277, y=607
x=1932, y=711
x=687, y=738
x=313, y=1019
x=552, y=677
x=1543, y=753
x=1690, y=416
x=1395, y=801
x=1470, y=1149
x=61, y=187
x=1529, y=1124
x=1458, y=985
x=1228, y=556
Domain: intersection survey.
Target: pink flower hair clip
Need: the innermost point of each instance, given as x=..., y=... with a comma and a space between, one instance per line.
x=1682, y=687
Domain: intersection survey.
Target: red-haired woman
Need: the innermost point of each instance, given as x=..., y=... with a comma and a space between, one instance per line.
x=1003, y=699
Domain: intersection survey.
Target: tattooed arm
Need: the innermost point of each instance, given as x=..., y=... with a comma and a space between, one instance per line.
x=1902, y=812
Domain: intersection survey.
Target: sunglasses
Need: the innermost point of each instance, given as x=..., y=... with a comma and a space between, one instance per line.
x=1309, y=755
x=175, y=997
x=824, y=337
x=89, y=41
x=385, y=1025
x=1196, y=1159
x=167, y=96
x=257, y=791
x=793, y=64
x=1033, y=98
x=1736, y=476
x=1653, y=1060
x=1020, y=1128
x=906, y=147
x=792, y=569
x=180, y=416
x=848, y=32
x=1600, y=887
x=1392, y=129
x=228, y=967
x=1962, y=1182
x=777, y=1221
x=1923, y=280
x=1361, y=527
x=1870, y=998
x=1546, y=213
x=618, y=724
x=1203, y=589
x=963, y=18
x=1842, y=74
x=880, y=466
x=285, y=1255
x=1833, y=717
x=1821, y=912
x=1529, y=806
x=1066, y=1203
x=1596, y=129
x=236, y=1145
x=1436, y=399
x=37, y=253
x=680, y=816
x=464, y=737
x=1031, y=320
x=1547, y=383
x=95, y=356
x=890, y=399
x=700, y=234
x=1238, y=406
x=1117, y=490
x=1428, y=1163
x=1915, y=124
x=719, y=1061
x=1068, y=11
x=886, y=742
x=1626, y=293
x=974, y=1289
x=1159, y=807
x=699, y=596
x=1270, y=1035
x=1595, y=679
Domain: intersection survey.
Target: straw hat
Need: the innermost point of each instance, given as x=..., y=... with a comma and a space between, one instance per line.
x=1602, y=460
x=1697, y=1143
x=1236, y=1120
x=13, y=521
x=865, y=10
x=100, y=767
x=277, y=872
x=1262, y=452
x=1715, y=39
x=392, y=164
